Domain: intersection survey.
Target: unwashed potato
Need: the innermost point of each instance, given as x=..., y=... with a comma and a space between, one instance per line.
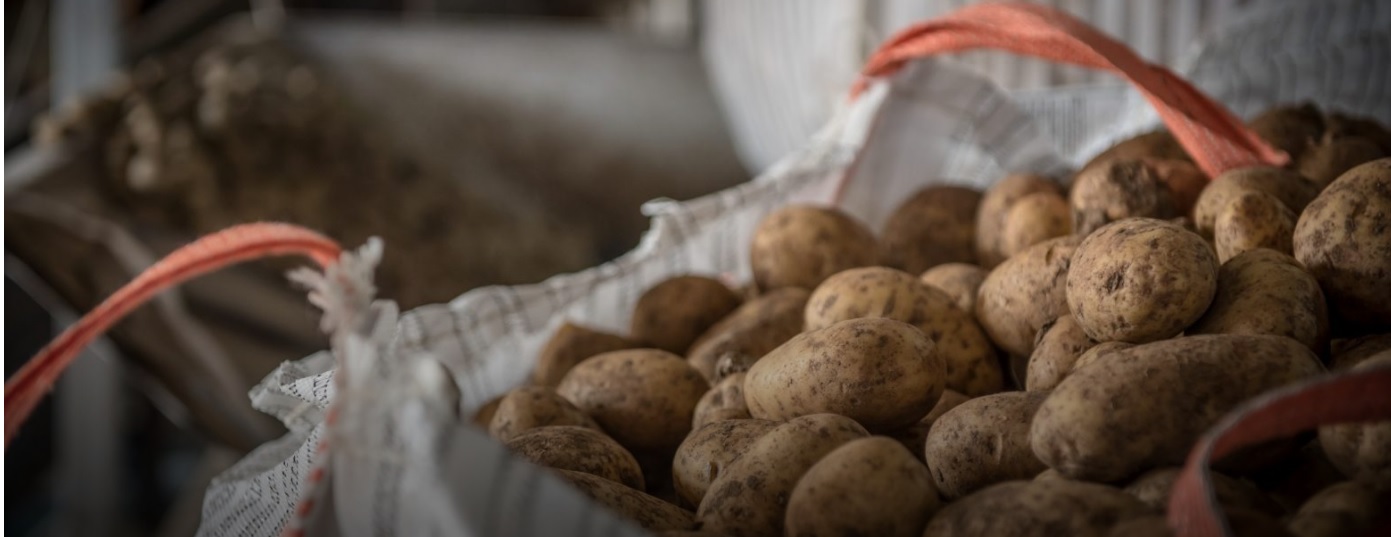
x=1150, y=145
x=1098, y=353
x=1290, y=128
x=725, y=401
x=1289, y=187
x=643, y=509
x=758, y=326
x=1343, y=238
x=982, y=442
x=1241, y=522
x=1033, y=219
x=530, y=407
x=571, y=345
x=1338, y=125
x=915, y=436
x=882, y=373
x=1254, y=220
x=800, y=246
x=708, y=450
x=960, y=281
x=869, y=486
x=749, y=498
x=580, y=449
x=1185, y=181
x=935, y=225
x=1024, y=293
x=644, y=398
x=1144, y=407
x=1153, y=488
x=1350, y=352
x=1058, y=346
x=1140, y=280
x=483, y=417
x=995, y=204
x=1267, y=292
x=1332, y=157
x=1036, y=508
x=971, y=366
x=1116, y=190
x=1362, y=451
x=1050, y=474
x=1348, y=508
x=1298, y=478
x=672, y=314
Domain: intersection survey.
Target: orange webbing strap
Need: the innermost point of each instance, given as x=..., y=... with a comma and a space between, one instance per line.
x=1356, y=396
x=27, y=387
x=1216, y=139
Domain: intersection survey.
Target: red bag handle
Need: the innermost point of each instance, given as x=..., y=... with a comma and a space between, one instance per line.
x=1216, y=139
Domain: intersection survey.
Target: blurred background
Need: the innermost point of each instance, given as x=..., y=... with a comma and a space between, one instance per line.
x=486, y=141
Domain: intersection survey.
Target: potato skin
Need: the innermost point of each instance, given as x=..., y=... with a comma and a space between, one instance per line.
x=672, y=314
x=1033, y=219
x=1140, y=280
x=1144, y=406
x=725, y=401
x=1036, y=508
x=1267, y=292
x=529, y=407
x=1057, y=348
x=1344, y=239
x=1116, y=190
x=869, y=486
x=1352, y=351
x=580, y=449
x=914, y=437
x=708, y=450
x=1347, y=508
x=749, y=498
x=1242, y=522
x=1290, y=127
x=643, y=509
x=1254, y=220
x=882, y=373
x=644, y=398
x=1026, y=292
x=933, y=226
x=1159, y=144
x=960, y=281
x=972, y=368
x=1095, y=354
x=758, y=326
x=995, y=204
x=1362, y=451
x=571, y=345
x=1325, y=161
x=1289, y=187
x=802, y=245
x=1153, y=487
x=982, y=442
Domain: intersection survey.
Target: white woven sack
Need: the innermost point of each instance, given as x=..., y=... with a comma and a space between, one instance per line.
x=404, y=462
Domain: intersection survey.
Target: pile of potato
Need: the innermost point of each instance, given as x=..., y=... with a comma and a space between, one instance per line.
x=1028, y=360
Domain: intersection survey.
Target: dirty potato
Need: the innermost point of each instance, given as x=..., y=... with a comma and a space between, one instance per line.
x=914, y=437
x=1036, y=508
x=1361, y=451
x=982, y=442
x=1033, y=219
x=869, y=486
x=1290, y=128
x=725, y=401
x=758, y=326
x=1348, y=508
x=1287, y=186
x=579, y=449
x=643, y=509
x=571, y=345
x=529, y=407
x=935, y=225
x=801, y=245
x=1344, y=239
x=1325, y=161
x=1267, y=292
x=994, y=206
x=672, y=314
x=1116, y=190
x=1254, y=220
x=1060, y=343
x=960, y=281
x=644, y=398
x=705, y=453
x=1153, y=487
x=1024, y=293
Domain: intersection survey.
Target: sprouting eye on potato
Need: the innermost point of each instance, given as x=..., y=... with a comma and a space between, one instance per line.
x=855, y=383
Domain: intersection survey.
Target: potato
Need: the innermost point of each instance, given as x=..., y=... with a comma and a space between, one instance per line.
x=749, y=498
x=1348, y=508
x=725, y=401
x=1050, y=474
x=884, y=292
x=882, y=373
x=1153, y=489
x=1267, y=292
x=1332, y=157
x=1254, y=220
x=1033, y=219
x=1337, y=125
x=1058, y=346
x=1241, y=522
x=1352, y=351
x=1361, y=451
x=982, y=442
x=566, y=447
x=672, y=314
x=869, y=486
x=936, y=225
x=914, y=437
x=1185, y=181
x=1095, y=354
x=1036, y=508
x=959, y=280
x=1116, y=190
x=1150, y=145
x=1144, y=406
x=994, y=206
x=1289, y=187
x=643, y=509
x=529, y=407
x=483, y=417
x=644, y=398
x=571, y=345
x=708, y=450
x=1140, y=280
x=800, y=246
x=758, y=326
x=1344, y=240
x=1024, y=293
x=1289, y=128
